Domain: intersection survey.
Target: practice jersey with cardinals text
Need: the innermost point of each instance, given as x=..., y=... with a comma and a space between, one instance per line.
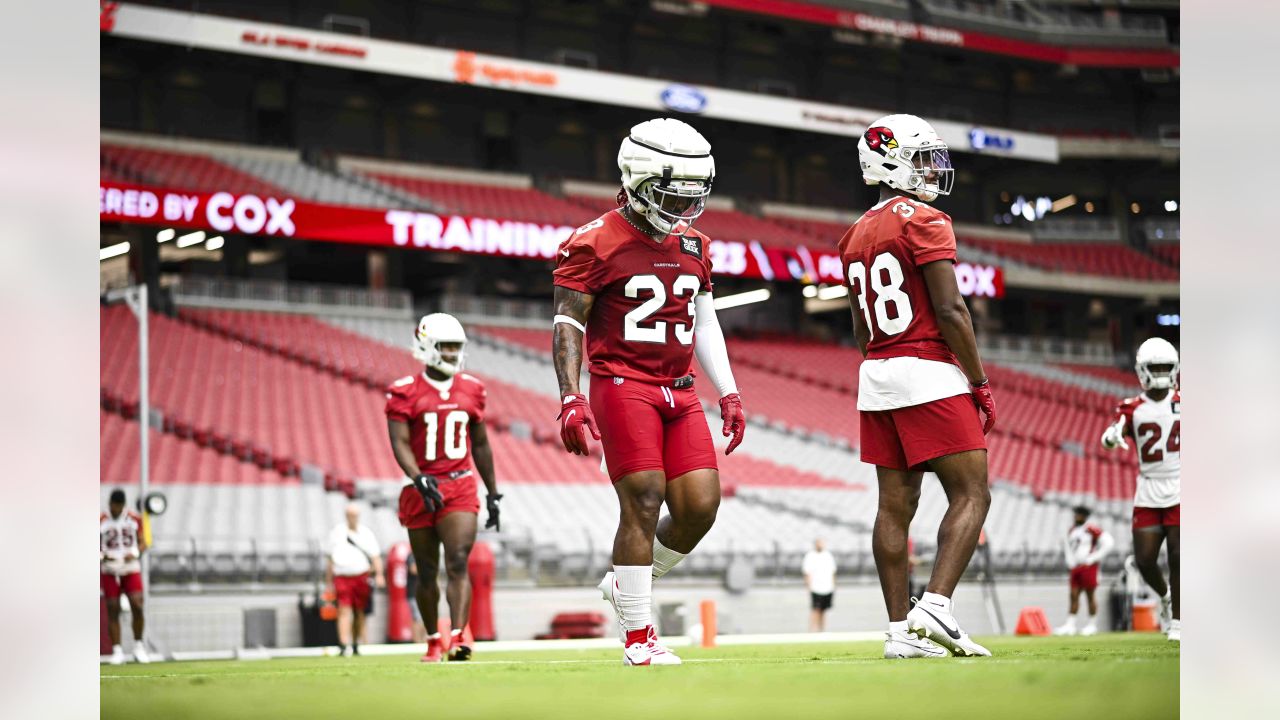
x=118, y=541
x=883, y=253
x=1082, y=540
x=439, y=415
x=641, y=324
x=1155, y=427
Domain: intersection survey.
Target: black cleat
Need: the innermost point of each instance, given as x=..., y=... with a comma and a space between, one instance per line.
x=459, y=653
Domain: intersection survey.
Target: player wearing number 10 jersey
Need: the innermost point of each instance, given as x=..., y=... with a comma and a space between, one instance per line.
x=1154, y=421
x=436, y=423
x=637, y=283
x=922, y=382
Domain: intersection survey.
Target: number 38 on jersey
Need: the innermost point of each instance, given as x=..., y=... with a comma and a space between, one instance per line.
x=890, y=310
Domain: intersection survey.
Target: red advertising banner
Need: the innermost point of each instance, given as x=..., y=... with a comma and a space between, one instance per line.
x=836, y=17
x=249, y=214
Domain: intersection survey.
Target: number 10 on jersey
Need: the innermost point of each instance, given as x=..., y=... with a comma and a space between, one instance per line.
x=893, y=312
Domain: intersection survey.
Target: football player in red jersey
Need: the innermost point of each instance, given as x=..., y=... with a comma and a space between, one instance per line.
x=436, y=423
x=922, y=383
x=636, y=282
x=1154, y=418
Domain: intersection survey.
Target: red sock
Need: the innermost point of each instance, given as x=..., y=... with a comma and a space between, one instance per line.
x=638, y=636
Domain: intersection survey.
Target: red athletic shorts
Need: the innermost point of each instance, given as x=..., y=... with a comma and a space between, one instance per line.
x=650, y=427
x=907, y=438
x=113, y=585
x=352, y=590
x=459, y=496
x=1145, y=517
x=1084, y=577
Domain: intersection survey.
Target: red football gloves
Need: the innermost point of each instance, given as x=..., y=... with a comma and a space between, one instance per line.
x=982, y=398
x=735, y=422
x=574, y=414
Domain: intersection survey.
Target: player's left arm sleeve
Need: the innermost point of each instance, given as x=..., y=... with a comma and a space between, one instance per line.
x=709, y=345
x=1105, y=543
x=931, y=240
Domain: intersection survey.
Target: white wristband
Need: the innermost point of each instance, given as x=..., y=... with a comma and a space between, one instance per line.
x=568, y=321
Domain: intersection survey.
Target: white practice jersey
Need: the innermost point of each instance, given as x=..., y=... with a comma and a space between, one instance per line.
x=1082, y=541
x=118, y=542
x=1155, y=431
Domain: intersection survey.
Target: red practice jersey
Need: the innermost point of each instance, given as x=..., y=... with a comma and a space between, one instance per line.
x=1157, y=429
x=882, y=255
x=438, y=419
x=641, y=325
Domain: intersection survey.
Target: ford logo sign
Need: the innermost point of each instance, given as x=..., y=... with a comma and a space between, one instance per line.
x=684, y=98
x=980, y=139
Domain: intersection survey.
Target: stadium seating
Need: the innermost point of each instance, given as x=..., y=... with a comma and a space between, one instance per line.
x=1106, y=259
x=179, y=170
x=507, y=203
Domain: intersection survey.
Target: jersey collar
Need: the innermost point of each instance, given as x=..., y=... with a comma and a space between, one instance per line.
x=440, y=385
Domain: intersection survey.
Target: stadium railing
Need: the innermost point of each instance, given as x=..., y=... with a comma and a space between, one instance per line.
x=280, y=296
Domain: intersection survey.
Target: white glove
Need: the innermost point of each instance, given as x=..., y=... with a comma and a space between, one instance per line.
x=1090, y=559
x=1113, y=437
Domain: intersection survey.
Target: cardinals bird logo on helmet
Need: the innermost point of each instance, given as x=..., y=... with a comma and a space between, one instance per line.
x=880, y=138
x=433, y=331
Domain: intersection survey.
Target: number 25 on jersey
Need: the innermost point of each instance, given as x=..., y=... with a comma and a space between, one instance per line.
x=893, y=312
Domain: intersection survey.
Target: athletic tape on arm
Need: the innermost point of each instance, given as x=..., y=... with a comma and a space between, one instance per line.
x=568, y=321
x=708, y=345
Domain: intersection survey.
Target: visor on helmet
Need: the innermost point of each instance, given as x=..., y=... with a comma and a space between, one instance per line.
x=931, y=169
x=676, y=202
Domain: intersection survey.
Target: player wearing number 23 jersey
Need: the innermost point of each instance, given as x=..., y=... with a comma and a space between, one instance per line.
x=908, y=364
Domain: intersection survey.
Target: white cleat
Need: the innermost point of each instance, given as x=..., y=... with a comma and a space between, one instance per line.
x=650, y=652
x=1175, y=631
x=1065, y=629
x=140, y=654
x=937, y=624
x=1166, y=612
x=117, y=655
x=905, y=645
x=606, y=587
x=1090, y=629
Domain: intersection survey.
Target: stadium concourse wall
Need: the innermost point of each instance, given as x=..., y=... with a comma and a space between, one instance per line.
x=179, y=621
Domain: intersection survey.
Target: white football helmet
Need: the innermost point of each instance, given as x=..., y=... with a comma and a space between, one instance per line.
x=905, y=153
x=667, y=171
x=433, y=330
x=1157, y=351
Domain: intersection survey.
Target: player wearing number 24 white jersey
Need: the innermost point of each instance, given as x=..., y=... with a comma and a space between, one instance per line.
x=922, y=383
x=1153, y=420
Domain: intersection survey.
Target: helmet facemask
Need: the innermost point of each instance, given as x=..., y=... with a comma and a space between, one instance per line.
x=671, y=205
x=1157, y=375
x=931, y=172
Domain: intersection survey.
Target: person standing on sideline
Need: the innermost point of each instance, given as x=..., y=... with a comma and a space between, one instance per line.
x=120, y=547
x=819, y=569
x=1085, y=546
x=352, y=552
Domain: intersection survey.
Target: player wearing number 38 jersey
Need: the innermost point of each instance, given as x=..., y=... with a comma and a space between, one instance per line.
x=922, y=383
x=637, y=283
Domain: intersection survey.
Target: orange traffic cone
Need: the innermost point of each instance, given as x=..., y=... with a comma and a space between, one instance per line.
x=1032, y=621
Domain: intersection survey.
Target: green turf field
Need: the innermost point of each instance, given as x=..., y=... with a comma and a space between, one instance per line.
x=1124, y=676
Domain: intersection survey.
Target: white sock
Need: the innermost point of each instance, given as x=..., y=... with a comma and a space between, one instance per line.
x=434, y=636
x=117, y=648
x=935, y=599
x=898, y=628
x=1071, y=621
x=634, y=595
x=664, y=558
x=1093, y=620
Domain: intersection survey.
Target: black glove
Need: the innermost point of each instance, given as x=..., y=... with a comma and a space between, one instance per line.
x=430, y=492
x=492, y=503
